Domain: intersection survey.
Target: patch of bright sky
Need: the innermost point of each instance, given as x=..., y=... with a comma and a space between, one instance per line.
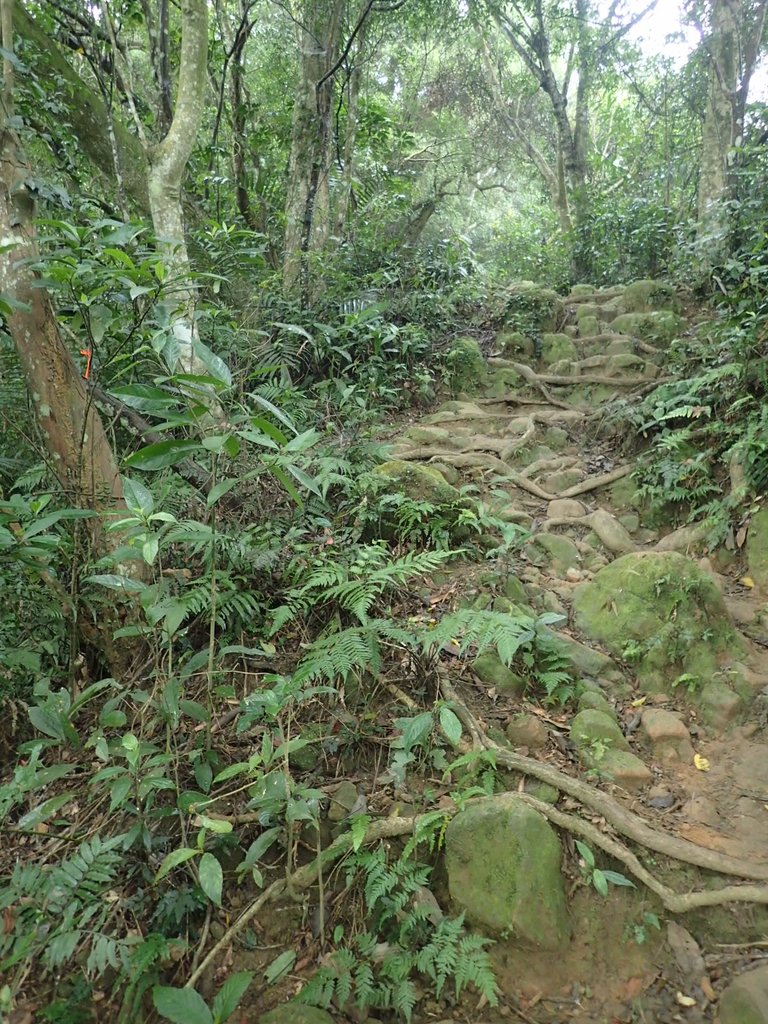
x=662, y=32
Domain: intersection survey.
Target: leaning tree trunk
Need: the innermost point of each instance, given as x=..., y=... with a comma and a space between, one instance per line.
x=167, y=164
x=78, y=448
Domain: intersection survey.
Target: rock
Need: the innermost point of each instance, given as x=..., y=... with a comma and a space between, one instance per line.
x=685, y=539
x=702, y=811
x=562, y=480
x=745, y=1001
x=541, y=791
x=611, y=533
x=556, y=438
x=578, y=291
x=620, y=347
x=550, y=602
x=514, y=590
x=656, y=327
x=630, y=520
x=550, y=549
x=450, y=473
x=585, y=660
x=565, y=508
x=646, y=296
x=591, y=730
x=718, y=704
x=591, y=700
x=343, y=800
x=757, y=548
x=295, y=1013
x=660, y=798
x=491, y=669
x=668, y=735
x=503, y=864
x=628, y=364
x=624, y=769
x=589, y=326
x=662, y=611
x=533, y=309
x=686, y=952
x=429, y=435
x=422, y=482
x=466, y=365
x=526, y=730
x=555, y=347
x=514, y=345
x=587, y=309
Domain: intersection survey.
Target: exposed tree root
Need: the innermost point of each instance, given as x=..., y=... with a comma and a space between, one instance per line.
x=384, y=828
x=624, y=821
x=554, y=378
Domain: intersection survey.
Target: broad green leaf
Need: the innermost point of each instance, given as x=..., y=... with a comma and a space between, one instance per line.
x=181, y=1005
x=162, y=454
x=44, y=811
x=450, y=725
x=113, y=582
x=280, y=967
x=222, y=487
x=215, y=365
x=217, y=825
x=586, y=853
x=277, y=413
x=211, y=877
x=229, y=995
x=599, y=881
x=173, y=859
x=137, y=497
x=617, y=879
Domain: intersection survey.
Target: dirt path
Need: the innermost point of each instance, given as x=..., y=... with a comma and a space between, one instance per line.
x=540, y=447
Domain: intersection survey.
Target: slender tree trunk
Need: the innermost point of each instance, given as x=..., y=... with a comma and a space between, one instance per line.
x=350, y=132
x=167, y=165
x=307, y=206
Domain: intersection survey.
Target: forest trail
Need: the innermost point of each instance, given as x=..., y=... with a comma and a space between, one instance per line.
x=541, y=447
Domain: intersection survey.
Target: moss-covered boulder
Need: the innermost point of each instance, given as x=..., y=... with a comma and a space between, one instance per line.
x=659, y=327
x=532, y=309
x=555, y=347
x=503, y=863
x=662, y=613
x=429, y=435
x=593, y=730
x=491, y=669
x=745, y=1001
x=421, y=482
x=513, y=345
x=589, y=327
x=647, y=295
x=551, y=550
x=466, y=366
x=757, y=548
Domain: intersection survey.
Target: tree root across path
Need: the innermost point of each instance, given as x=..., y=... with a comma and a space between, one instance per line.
x=624, y=821
x=587, y=378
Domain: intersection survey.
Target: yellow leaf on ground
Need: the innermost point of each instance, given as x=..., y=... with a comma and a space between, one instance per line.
x=701, y=763
x=639, y=702
x=747, y=581
x=684, y=1000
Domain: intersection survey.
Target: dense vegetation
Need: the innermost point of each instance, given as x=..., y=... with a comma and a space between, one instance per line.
x=239, y=240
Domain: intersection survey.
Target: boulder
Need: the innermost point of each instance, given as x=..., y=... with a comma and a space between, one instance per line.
x=589, y=327
x=557, y=347
x=466, y=365
x=429, y=435
x=591, y=728
x=625, y=769
x=659, y=327
x=530, y=308
x=503, y=864
x=422, y=482
x=526, y=730
x=646, y=296
x=757, y=548
x=660, y=611
x=556, y=552
x=667, y=734
x=565, y=508
x=593, y=700
x=491, y=669
x=514, y=345
x=745, y=1001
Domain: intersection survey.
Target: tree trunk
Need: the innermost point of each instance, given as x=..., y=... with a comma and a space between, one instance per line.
x=350, y=131
x=167, y=164
x=80, y=454
x=307, y=208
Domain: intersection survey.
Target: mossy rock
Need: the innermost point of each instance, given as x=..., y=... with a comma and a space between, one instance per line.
x=584, y=660
x=757, y=548
x=295, y=1013
x=745, y=1001
x=514, y=590
x=503, y=864
x=589, y=327
x=588, y=309
x=532, y=309
x=491, y=670
x=556, y=347
x=466, y=366
x=661, y=326
x=550, y=549
x=556, y=438
x=421, y=482
x=591, y=700
x=501, y=381
x=514, y=345
x=646, y=296
x=591, y=727
x=580, y=290
x=660, y=610
x=429, y=435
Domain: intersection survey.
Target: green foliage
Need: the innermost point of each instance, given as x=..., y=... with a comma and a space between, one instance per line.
x=407, y=941
x=599, y=878
x=185, y=1006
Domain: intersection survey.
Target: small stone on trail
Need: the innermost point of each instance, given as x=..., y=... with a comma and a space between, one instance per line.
x=562, y=508
x=660, y=798
x=745, y=1001
x=526, y=730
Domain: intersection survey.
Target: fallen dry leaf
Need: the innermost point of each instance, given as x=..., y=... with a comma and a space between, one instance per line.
x=701, y=763
x=682, y=1000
